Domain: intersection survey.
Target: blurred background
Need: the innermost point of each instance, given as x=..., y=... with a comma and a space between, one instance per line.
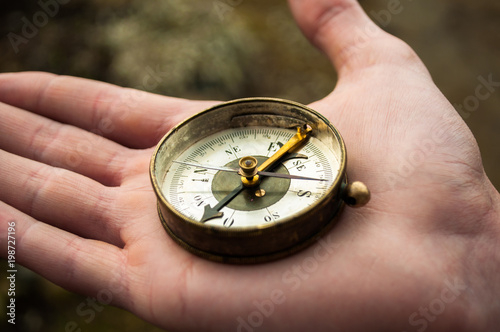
x=226, y=49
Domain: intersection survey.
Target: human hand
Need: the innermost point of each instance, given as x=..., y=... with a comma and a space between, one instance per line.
x=428, y=237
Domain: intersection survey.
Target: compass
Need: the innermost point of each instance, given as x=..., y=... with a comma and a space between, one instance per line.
x=252, y=180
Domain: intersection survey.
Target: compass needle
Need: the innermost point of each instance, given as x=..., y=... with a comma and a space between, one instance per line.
x=216, y=168
x=227, y=169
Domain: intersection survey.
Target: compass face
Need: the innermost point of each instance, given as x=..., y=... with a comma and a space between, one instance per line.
x=191, y=190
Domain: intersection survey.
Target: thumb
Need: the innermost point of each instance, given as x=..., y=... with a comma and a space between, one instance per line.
x=342, y=30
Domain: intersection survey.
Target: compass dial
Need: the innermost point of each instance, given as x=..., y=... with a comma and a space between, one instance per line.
x=190, y=189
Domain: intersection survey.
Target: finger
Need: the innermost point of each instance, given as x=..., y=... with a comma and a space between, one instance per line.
x=81, y=265
x=130, y=117
x=347, y=35
x=35, y=137
x=59, y=197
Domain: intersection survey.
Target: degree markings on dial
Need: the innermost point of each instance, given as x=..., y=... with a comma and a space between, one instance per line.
x=218, y=140
x=228, y=222
x=296, y=166
x=233, y=150
x=277, y=134
x=322, y=160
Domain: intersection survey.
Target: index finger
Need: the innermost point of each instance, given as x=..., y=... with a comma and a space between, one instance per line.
x=133, y=118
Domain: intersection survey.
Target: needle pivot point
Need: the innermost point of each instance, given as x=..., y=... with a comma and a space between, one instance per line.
x=248, y=171
x=248, y=166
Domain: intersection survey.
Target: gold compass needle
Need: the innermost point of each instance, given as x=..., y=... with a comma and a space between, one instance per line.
x=301, y=136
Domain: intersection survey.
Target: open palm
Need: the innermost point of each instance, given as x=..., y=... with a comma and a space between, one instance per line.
x=422, y=255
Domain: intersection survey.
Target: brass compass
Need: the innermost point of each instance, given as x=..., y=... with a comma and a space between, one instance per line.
x=252, y=180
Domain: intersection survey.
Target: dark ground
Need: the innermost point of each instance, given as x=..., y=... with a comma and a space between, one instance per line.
x=252, y=49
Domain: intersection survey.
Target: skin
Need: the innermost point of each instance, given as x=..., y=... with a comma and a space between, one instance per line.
x=423, y=255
